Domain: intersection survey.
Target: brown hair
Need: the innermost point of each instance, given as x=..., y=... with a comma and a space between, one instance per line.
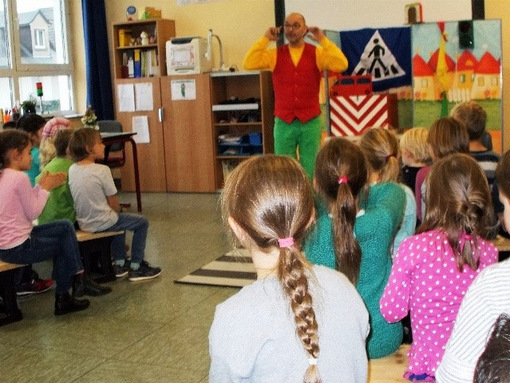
x=270, y=198
x=415, y=141
x=459, y=202
x=82, y=140
x=503, y=175
x=473, y=116
x=381, y=149
x=61, y=142
x=448, y=135
x=341, y=158
x=11, y=139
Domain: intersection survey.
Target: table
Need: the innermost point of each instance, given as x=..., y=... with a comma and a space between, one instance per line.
x=121, y=138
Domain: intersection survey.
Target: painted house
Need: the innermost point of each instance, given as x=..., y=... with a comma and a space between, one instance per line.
x=450, y=65
x=487, y=79
x=423, y=79
x=466, y=64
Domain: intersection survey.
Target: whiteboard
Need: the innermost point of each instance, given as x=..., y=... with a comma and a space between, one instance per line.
x=342, y=15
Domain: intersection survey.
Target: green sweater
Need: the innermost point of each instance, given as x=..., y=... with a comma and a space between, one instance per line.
x=60, y=202
x=375, y=228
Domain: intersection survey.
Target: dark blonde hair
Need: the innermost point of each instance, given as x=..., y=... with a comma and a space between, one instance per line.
x=448, y=135
x=415, y=141
x=459, y=202
x=340, y=175
x=11, y=139
x=503, y=175
x=82, y=141
x=381, y=149
x=271, y=198
x=473, y=116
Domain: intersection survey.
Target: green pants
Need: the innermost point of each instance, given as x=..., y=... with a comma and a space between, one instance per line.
x=289, y=139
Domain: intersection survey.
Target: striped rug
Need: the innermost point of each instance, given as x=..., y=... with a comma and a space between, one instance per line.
x=234, y=269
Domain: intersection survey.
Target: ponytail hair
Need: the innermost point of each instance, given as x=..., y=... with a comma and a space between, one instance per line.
x=271, y=199
x=381, y=149
x=11, y=139
x=340, y=176
x=459, y=203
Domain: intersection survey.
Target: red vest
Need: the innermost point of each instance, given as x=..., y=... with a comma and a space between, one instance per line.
x=296, y=89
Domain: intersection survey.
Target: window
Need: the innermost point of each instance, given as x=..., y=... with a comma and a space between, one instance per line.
x=34, y=47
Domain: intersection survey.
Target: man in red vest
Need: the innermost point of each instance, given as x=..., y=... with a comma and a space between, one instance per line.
x=296, y=68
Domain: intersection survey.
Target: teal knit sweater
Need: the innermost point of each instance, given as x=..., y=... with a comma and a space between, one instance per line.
x=378, y=221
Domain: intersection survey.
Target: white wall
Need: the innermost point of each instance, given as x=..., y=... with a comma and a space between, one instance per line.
x=341, y=15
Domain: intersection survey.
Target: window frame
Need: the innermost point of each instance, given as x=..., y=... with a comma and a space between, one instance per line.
x=17, y=69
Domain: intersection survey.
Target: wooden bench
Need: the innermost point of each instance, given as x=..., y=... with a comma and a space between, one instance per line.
x=95, y=250
x=391, y=368
x=8, y=293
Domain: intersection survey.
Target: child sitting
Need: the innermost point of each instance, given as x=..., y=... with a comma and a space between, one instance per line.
x=98, y=209
x=433, y=269
x=414, y=154
x=297, y=322
x=47, y=150
x=20, y=204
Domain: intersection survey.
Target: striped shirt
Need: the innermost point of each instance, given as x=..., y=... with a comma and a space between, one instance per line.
x=486, y=299
x=488, y=161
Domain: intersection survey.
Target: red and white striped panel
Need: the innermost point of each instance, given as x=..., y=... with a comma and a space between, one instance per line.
x=351, y=115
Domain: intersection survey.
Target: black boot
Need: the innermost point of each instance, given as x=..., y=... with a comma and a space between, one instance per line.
x=65, y=304
x=84, y=285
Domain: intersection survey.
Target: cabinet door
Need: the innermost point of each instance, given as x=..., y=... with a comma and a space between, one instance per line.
x=151, y=156
x=187, y=128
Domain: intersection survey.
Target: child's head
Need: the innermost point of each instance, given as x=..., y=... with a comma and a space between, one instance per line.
x=493, y=366
x=473, y=116
x=270, y=199
x=340, y=175
x=12, y=139
x=10, y=124
x=380, y=146
x=83, y=144
x=47, y=150
x=413, y=146
x=61, y=142
x=447, y=135
x=459, y=202
x=503, y=181
x=33, y=124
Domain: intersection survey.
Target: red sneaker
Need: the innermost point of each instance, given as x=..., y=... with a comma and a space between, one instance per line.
x=37, y=286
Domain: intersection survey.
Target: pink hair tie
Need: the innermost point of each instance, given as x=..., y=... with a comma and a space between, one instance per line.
x=285, y=242
x=342, y=180
x=389, y=156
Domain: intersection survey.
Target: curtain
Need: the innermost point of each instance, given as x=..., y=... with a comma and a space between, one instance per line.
x=97, y=57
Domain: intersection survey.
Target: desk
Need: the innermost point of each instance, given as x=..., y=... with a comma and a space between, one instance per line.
x=121, y=138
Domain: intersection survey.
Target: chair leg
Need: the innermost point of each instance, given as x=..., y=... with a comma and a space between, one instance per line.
x=8, y=294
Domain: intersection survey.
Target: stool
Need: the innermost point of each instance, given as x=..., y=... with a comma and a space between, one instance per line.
x=8, y=293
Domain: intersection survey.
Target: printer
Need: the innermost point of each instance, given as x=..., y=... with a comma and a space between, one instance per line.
x=188, y=55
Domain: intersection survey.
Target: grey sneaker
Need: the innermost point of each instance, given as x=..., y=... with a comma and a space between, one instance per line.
x=121, y=271
x=145, y=271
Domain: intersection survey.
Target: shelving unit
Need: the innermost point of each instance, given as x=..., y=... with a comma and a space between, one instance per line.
x=243, y=107
x=161, y=31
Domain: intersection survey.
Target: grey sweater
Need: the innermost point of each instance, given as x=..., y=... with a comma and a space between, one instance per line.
x=253, y=336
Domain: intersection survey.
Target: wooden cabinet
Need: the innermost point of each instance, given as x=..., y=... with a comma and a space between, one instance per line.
x=187, y=133
x=148, y=59
x=243, y=118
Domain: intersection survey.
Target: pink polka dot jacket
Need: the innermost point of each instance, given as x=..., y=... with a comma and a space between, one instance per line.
x=425, y=280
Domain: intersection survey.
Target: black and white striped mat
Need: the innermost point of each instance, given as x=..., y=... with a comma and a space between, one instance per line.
x=234, y=269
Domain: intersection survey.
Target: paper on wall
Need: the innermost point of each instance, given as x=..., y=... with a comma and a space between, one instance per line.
x=140, y=125
x=183, y=90
x=143, y=96
x=126, y=97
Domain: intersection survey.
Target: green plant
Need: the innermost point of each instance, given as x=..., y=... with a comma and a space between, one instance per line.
x=28, y=104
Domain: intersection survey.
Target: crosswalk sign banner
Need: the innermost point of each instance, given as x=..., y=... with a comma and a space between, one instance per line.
x=384, y=53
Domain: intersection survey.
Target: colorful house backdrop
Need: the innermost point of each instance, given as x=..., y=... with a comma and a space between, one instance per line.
x=471, y=74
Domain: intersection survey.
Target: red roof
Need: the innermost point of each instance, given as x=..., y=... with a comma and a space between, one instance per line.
x=450, y=64
x=488, y=64
x=420, y=67
x=467, y=61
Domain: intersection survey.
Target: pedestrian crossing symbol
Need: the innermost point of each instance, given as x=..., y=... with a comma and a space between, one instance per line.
x=378, y=61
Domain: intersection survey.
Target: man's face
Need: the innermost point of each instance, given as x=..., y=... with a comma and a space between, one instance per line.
x=294, y=29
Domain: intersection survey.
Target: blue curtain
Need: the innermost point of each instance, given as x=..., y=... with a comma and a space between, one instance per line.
x=97, y=56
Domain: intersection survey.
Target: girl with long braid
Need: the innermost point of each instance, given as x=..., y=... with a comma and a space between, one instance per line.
x=269, y=331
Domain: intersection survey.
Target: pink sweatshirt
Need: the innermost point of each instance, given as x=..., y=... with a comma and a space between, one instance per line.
x=20, y=204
